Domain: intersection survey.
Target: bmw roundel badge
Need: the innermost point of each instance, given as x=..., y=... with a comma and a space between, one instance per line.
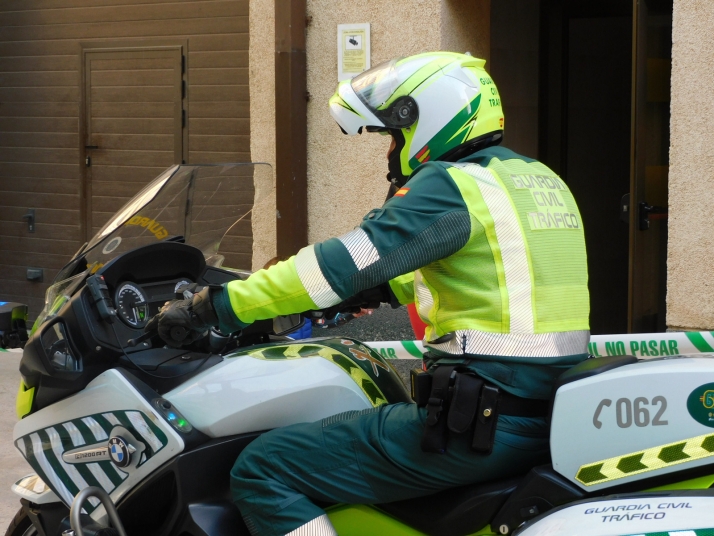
x=119, y=451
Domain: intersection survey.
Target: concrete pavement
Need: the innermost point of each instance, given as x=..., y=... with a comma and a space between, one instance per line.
x=12, y=464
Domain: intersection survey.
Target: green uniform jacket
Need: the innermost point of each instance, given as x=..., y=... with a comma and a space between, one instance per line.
x=491, y=249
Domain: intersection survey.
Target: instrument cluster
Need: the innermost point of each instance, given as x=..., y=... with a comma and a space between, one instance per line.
x=136, y=304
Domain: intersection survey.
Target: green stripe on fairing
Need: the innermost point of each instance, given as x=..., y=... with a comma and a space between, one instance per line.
x=112, y=472
x=157, y=431
x=126, y=423
x=32, y=460
x=412, y=348
x=698, y=341
x=56, y=464
x=104, y=423
x=114, y=475
x=81, y=468
x=87, y=434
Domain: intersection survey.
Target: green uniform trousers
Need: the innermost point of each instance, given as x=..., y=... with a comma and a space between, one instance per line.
x=368, y=457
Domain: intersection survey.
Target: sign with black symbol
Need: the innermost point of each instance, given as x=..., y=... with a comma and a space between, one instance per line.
x=353, y=50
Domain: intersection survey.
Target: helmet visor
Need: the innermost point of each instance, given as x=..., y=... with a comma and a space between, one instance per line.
x=376, y=87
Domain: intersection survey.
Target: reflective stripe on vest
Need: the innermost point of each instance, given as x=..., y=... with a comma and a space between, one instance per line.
x=475, y=342
x=512, y=245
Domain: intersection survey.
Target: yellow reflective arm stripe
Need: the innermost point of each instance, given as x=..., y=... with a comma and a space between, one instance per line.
x=647, y=460
x=269, y=293
x=23, y=402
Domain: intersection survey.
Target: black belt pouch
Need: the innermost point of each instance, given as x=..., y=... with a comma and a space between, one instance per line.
x=486, y=418
x=435, y=431
x=420, y=383
x=464, y=402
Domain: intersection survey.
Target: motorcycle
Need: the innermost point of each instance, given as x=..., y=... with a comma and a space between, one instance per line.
x=13, y=317
x=120, y=429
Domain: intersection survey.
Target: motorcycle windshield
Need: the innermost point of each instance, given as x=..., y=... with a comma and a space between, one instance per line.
x=202, y=203
x=208, y=205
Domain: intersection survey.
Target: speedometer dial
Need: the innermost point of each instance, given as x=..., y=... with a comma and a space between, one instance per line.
x=132, y=307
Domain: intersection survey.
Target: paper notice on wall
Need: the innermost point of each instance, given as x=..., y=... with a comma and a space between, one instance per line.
x=353, y=50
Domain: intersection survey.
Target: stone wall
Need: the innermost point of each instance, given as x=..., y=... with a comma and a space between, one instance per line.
x=262, y=125
x=346, y=175
x=690, y=278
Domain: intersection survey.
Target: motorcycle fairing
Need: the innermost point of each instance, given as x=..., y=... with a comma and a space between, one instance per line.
x=351, y=520
x=652, y=514
x=637, y=417
x=108, y=407
x=34, y=489
x=369, y=370
x=377, y=368
x=278, y=384
x=300, y=351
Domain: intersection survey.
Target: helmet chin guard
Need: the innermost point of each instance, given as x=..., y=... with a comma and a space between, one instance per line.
x=395, y=159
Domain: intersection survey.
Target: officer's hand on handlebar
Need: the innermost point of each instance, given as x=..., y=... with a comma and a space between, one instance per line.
x=367, y=299
x=181, y=322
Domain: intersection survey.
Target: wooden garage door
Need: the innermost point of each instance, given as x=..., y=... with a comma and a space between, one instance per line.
x=134, y=120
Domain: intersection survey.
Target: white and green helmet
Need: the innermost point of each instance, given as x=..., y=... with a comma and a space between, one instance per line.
x=437, y=105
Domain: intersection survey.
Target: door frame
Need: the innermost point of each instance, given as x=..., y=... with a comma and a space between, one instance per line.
x=642, y=297
x=90, y=50
x=636, y=187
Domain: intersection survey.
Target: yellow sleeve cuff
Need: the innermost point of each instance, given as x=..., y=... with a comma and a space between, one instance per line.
x=403, y=288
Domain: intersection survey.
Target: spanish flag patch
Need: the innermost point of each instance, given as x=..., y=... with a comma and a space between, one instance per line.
x=401, y=192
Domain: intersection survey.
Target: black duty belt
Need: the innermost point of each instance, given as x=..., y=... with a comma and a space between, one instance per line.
x=458, y=401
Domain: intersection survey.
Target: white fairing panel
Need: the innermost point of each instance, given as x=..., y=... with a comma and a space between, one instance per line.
x=635, y=422
x=245, y=394
x=108, y=407
x=677, y=515
x=34, y=489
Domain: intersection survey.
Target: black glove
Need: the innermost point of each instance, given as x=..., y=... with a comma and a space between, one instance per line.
x=181, y=322
x=367, y=299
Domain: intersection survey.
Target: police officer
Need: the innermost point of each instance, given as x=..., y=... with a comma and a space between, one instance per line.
x=488, y=244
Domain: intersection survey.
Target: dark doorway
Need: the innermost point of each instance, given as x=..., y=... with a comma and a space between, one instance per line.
x=585, y=130
x=565, y=71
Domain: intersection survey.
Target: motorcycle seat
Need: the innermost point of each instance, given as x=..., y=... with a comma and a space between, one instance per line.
x=453, y=512
x=592, y=367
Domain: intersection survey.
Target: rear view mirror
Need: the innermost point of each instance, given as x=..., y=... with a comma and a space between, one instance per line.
x=284, y=325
